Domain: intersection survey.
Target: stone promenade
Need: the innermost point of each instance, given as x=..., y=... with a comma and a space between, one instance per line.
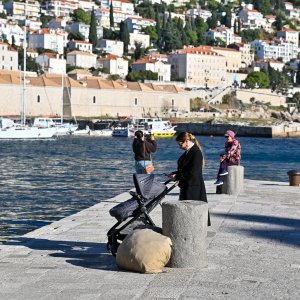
x=253, y=253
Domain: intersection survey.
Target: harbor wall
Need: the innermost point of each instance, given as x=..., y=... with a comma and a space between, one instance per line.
x=290, y=130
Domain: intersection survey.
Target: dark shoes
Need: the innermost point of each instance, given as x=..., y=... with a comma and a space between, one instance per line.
x=223, y=173
x=219, y=182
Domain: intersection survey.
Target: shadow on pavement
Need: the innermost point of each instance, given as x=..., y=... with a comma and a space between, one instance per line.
x=286, y=230
x=81, y=254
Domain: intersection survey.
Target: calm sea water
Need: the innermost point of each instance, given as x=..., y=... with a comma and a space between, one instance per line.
x=44, y=181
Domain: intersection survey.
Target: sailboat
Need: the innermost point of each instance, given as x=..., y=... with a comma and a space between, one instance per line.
x=11, y=130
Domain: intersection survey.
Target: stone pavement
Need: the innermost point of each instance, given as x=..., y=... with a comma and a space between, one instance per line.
x=253, y=253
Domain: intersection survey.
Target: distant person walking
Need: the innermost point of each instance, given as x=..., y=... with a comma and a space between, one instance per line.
x=142, y=148
x=189, y=169
x=231, y=157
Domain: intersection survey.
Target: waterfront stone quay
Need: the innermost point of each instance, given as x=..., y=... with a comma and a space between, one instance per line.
x=253, y=253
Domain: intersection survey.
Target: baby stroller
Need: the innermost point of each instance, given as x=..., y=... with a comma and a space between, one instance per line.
x=135, y=211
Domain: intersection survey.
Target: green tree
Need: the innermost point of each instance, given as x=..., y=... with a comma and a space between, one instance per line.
x=110, y=34
x=45, y=19
x=298, y=75
x=151, y=31
x=79, y=15
x=213, y=20
x=93, y=38
x=76, y=36
x=124, y=35
x=139, y=51
x=278, y=22
x=111, y=15
x=257, y=79
x=141, y=76
x=278, y=80
x=249, y=35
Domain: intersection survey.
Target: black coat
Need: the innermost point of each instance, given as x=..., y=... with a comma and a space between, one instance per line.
x=189, y=174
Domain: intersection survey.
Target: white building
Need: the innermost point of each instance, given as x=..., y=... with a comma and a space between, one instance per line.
x=225, y=34
x=198, y=66
x=18, y=9
x=33, y=24
x=123, y=5
x=251, y=19
x=57, y=23
x=289, y=35
x=52, y=63
x=47, y=39
x=114, y=64
x=61, y=8
x=202, y=13
x=264, y=64
x=138, y=23
x=84, y=29
x=247, y=54
x=111, y=46
x=80, y=45
x=136, y=37
x=87, y=5
x=174, y=15
x=102, y=16
x=81, y=59
x=275, y=49
x=10, y=30
x=8, y=58
x=162, y=69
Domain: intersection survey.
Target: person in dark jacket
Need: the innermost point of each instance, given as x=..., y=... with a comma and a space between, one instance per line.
x=189, y=169
x=142, y=148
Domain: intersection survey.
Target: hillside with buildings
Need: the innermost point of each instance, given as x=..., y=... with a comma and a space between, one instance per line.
x=228, y=54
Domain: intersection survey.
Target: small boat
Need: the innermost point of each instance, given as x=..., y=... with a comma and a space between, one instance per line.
x=61, y=128
x=101, y=129
x=122, y=129
x=11, y=130
x=155, y=126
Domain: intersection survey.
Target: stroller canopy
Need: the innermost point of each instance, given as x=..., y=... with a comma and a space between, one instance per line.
x=147, y=186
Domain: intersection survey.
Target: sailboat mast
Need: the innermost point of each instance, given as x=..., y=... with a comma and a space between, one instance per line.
x=62, y=98
x=23, y=118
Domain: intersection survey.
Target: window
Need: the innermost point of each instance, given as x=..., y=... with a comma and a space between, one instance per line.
x=94, y=99
x=135, y=101
x=38, y=99
x=173, y=102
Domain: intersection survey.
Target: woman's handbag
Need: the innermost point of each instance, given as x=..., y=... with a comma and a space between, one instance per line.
x=149, y=168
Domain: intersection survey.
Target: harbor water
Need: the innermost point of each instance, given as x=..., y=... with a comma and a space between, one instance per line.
x=46, y=180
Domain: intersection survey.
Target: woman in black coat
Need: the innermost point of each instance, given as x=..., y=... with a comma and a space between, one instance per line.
x=189, y=169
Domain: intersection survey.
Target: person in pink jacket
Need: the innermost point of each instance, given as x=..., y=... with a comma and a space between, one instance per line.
x=231, y=157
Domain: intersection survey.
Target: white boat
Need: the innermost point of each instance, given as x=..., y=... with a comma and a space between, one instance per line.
x=11, y=130
x=18, y=131
x=101, y=129
x=156, y=126
x=61, y=128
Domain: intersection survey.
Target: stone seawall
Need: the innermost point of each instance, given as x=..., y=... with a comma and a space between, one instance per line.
x=290, y=130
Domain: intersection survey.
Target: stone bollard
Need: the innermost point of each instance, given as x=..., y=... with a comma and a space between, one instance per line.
x=185, y=223
x=234, y=181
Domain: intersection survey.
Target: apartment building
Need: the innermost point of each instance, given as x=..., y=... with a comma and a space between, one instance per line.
x=124, y=6
x=103, y=19
x=289, y=35
x=111, y=46
x=47, y=39
x=81, y=46
x=83, y=29
x=8, y=58
x=247, y=54
x=10, y=31
x=225, y=34
x=52, y=63
x=275, y=50
x=198, y=12
x=137, y=37
x=251, y=19
x=264, y=64
x=81, y=59
x=61, y=8
x=138, y=23
x=114, y=64
x=198, y=66
x=20, y=9
x=162, y=69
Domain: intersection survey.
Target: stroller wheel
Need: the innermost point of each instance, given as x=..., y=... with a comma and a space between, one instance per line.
x=113, y=247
